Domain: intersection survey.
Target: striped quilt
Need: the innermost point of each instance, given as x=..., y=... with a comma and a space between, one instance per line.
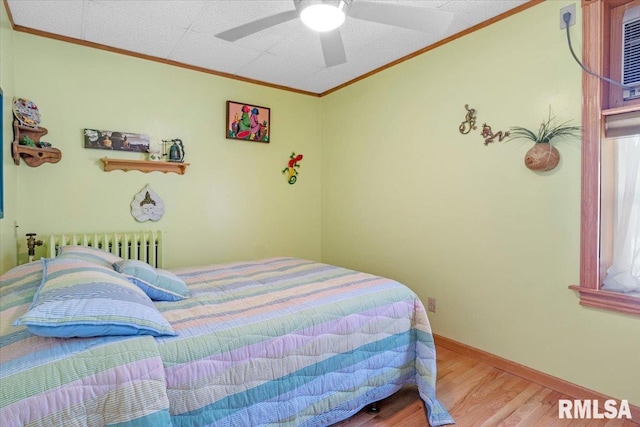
x=107, y=381
x=275, y=342
x=291, y=342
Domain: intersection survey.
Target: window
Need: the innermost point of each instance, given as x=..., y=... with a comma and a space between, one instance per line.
x=620, y=178
x=602, y=53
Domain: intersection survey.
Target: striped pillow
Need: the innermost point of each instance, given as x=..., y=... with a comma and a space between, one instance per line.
x=158, y=284
x=88, y=253
x=82, y=299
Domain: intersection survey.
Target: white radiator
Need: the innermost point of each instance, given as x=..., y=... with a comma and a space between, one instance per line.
x=141, y=245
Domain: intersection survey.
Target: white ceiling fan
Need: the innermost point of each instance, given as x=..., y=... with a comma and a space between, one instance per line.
x=326, y=16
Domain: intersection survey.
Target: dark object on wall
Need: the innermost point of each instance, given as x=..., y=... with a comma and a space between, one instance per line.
x=489, y=136
x=469, y=122
x=31, y=245
x=176, y=150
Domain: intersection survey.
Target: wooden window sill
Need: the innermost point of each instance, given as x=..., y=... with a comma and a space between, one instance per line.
x=614, y=301
x=621, y=110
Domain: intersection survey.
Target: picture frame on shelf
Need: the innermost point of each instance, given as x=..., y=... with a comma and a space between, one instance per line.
x=248, y=122
x=116, y=140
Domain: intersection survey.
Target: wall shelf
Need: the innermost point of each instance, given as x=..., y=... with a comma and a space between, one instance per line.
x=145, y=166
x=33, y=156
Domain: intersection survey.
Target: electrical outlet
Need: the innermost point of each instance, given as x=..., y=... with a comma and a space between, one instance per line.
x=431, y=304
x=570, y=9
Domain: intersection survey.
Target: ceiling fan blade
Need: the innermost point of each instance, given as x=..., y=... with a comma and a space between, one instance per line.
x=333, y=48
x=258, y=25
x=428, y=20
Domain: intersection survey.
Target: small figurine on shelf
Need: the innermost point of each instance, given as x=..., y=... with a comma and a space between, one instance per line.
x=155, y=151
x=176, y=151
x=25, y=140
x=28, y=142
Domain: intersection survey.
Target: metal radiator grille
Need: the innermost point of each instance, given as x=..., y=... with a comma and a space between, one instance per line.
x=141, y=245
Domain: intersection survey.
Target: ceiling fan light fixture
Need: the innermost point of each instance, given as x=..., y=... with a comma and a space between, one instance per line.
x=323, y=16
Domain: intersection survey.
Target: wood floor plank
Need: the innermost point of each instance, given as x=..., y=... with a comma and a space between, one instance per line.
x=529, y=414
x=512, y=412
x=477, y=395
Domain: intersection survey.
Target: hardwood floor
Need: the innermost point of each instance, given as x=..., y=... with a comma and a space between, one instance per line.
x=476, y=395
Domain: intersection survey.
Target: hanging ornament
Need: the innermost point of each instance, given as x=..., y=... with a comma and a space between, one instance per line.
x=147, y=205
x=292, y=169
x=176, y=150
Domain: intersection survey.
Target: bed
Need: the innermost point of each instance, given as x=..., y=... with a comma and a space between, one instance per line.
x=272, y=342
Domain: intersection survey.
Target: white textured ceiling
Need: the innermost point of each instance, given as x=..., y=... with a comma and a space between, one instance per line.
x=288, y=54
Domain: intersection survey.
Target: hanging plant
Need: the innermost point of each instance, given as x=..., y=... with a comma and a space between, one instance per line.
x=543, y=156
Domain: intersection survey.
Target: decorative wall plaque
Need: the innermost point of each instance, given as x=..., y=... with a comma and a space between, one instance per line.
x=147, y=205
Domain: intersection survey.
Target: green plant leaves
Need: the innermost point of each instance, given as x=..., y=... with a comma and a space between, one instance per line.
x=548, y=131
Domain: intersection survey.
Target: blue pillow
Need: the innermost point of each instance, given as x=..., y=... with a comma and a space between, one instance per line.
x=88, y=253
x=82, y=299
x=158, y=284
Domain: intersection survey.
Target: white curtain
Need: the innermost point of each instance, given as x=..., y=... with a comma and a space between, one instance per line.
x=624, y=273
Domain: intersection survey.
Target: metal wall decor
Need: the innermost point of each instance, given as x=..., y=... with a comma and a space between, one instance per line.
x=292, y=168
x=469, y=122
x=489, y=136
x=175, y=152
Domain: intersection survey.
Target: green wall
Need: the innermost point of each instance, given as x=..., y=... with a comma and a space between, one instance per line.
x=7, y=229
x=388, y=184
x=232, y=203
x=406, y=195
